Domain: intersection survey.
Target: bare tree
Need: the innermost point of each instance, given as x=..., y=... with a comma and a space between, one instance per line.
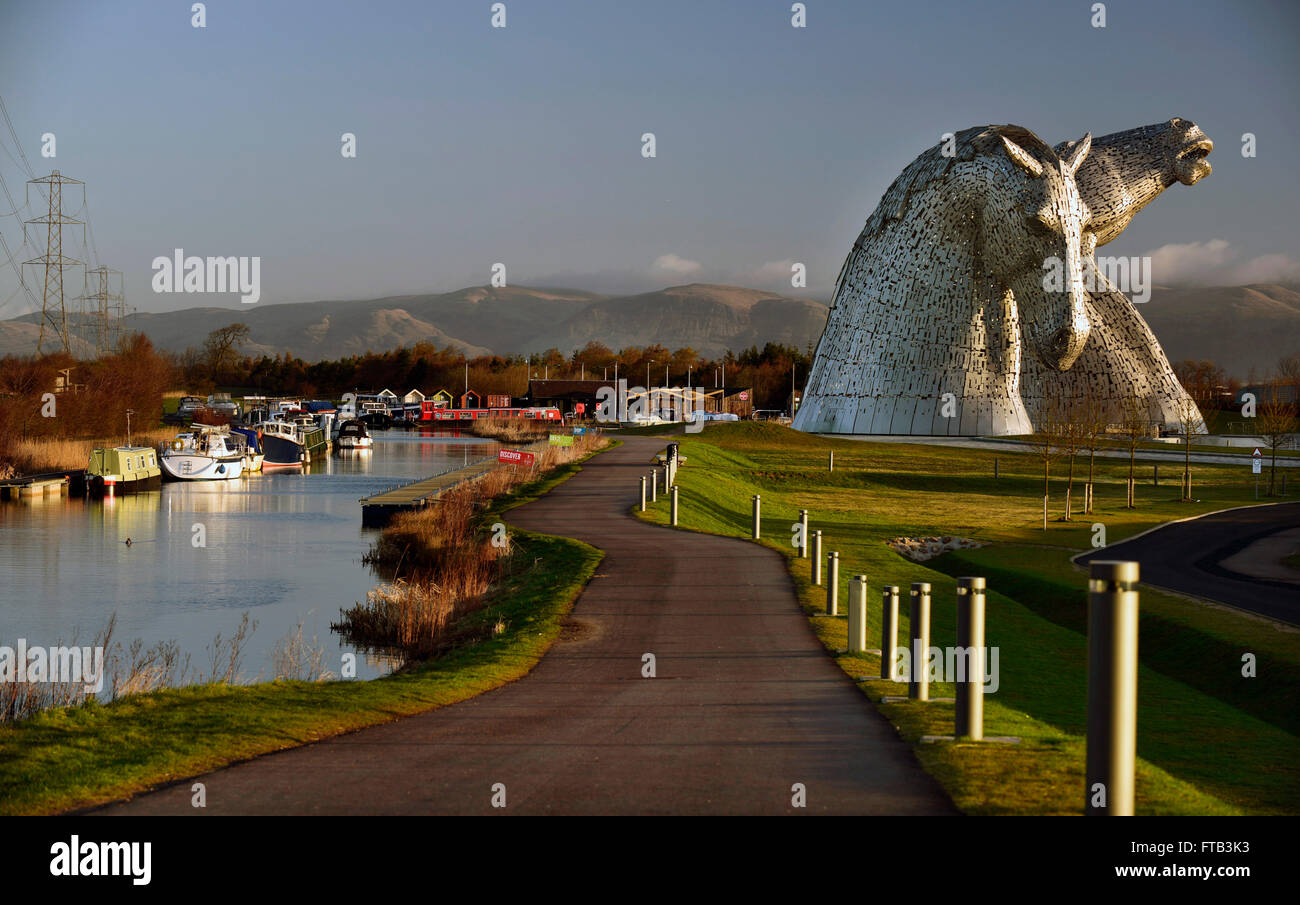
x=1093, y=419
x=1135, y=428
x=1047, y=445
x=221, y=347
x=1190, y=423
x=1275, y=422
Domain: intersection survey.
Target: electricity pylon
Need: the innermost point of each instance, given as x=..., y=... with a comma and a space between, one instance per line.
x=54, y=311
x=100, y=301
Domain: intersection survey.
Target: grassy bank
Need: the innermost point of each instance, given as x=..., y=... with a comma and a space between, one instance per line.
x=1210, y=741
x=97, y=753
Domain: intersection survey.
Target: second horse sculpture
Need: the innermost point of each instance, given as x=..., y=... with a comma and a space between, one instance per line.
x=972, y=304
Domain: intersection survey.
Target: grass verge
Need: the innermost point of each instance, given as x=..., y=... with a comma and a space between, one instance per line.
x=1209, y=741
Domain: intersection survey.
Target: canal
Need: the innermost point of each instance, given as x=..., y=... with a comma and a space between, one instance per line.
x=285, y=546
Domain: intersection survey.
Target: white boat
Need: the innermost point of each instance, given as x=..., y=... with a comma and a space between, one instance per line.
x=203, y=455
x=353, y=435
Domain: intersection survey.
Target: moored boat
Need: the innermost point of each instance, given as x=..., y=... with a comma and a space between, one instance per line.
x=122, y=469
x=291, y=443
x=212, y=454
x=353, y=435
x=253, y=455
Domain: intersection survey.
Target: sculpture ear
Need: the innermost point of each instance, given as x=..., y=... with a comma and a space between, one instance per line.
x=1077, y=153
x=1021, y=158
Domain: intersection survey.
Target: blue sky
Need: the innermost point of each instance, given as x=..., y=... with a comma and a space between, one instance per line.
x=522, y=145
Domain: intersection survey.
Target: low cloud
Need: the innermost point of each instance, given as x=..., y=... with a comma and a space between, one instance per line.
x=675, y=264
x=1215, y=262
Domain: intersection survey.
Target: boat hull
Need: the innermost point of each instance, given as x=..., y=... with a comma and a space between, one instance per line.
x=183, y=466
x=280, y=452
x=111, y=485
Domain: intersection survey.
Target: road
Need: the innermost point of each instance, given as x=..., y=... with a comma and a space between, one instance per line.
x=745, y=703
x=1221, y=556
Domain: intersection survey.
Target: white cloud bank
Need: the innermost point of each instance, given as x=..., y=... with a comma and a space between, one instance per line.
x=1215, y=262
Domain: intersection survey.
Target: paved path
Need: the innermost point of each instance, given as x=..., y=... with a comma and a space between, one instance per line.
x=745, y=703
x=1189, y=557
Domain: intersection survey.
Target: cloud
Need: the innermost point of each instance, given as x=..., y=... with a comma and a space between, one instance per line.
x=774, y=272
x=675, y=264
x=1214, y=262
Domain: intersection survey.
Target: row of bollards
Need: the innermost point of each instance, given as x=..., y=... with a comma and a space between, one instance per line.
x=1112, y=651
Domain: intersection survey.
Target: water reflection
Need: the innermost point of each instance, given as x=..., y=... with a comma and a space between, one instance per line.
x=285, y=545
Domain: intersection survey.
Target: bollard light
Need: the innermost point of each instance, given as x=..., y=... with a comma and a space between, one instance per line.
x=833, y=584
x=919, y=687
x=757, y=511
x=889, y=632
x=803, y=533
x=970, y=639
x=817, y=558
x=858, y=614
x=643, y=482
x=654, y=485
x=1112, y=687
x=673, y=504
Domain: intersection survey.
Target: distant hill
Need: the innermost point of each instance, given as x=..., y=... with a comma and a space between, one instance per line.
x=1236, y=327
x=1239, y=327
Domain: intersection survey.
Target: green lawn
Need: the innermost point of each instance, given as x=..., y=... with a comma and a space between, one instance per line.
x=1210, y=741
x=96, y=753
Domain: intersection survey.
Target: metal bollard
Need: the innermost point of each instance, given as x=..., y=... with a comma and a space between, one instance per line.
x=817, y=558
x=803, y=533
x=758, y=508
x=970, y=638
x=918, y=687
x=889, y=632
x=1112, y=687
x=654, y=484
x=858, y=614
x=643, y=482
x=1155, y=474
x=831, y=464
x=995, y=468
x=833, y=584
x=673, y=505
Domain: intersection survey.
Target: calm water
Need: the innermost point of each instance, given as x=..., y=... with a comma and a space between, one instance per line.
x=286, y=546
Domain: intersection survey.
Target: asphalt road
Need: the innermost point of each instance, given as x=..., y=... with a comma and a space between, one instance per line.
x=1188, y=557
x=745, y=703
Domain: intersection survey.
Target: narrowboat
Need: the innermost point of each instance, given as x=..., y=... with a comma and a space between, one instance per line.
x=122, y=469
x=291, y=443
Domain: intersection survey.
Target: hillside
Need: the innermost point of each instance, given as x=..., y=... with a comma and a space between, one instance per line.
x=1239, y=327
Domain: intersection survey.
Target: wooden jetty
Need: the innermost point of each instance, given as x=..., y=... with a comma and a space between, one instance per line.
x=377, y=509
x=34, y=486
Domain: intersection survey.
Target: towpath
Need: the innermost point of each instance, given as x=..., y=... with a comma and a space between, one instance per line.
x=745, y=703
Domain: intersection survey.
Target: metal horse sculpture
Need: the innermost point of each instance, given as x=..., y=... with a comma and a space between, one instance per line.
x=943, y=322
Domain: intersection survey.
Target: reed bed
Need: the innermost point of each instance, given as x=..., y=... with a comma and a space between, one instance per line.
x=36, y=455
x=444, y=561
x=511, y=430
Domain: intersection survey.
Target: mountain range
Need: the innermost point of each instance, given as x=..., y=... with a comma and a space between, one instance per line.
x=1239, y=327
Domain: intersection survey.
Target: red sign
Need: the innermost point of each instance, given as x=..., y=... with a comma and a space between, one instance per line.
x=743, y=396
x=580, y=408
x=515, y=457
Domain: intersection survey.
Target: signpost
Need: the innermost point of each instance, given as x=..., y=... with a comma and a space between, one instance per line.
x=515, y=457
x=1256, y=465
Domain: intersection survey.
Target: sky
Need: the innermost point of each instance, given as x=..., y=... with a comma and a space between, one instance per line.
x=523, y=146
